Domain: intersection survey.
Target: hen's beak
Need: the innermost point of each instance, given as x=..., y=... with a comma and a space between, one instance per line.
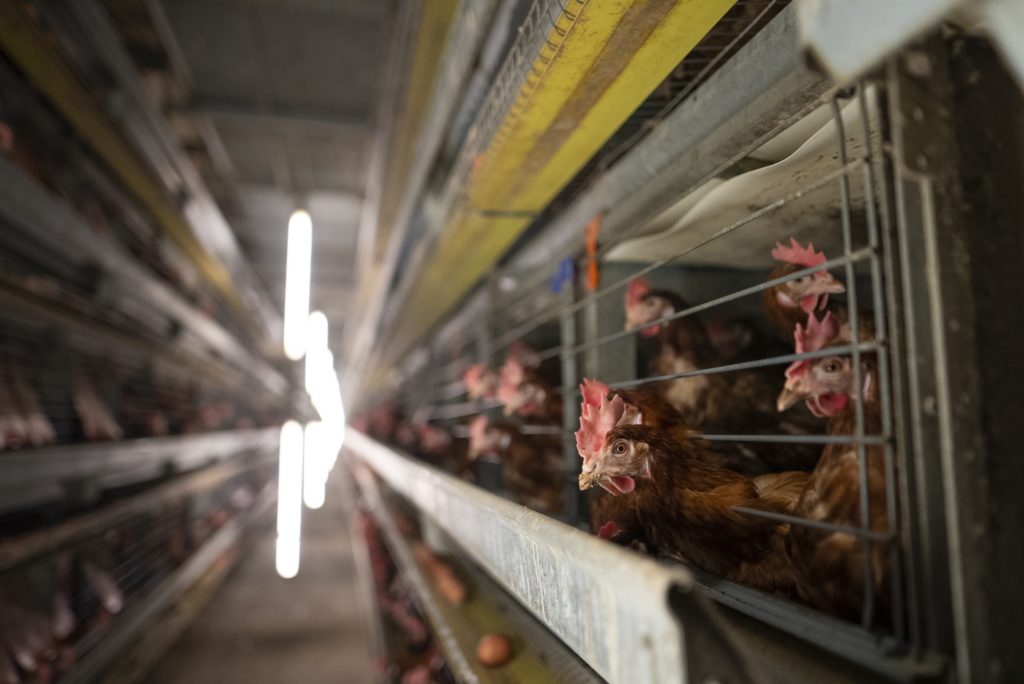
x=588, y=480
x=787, y=399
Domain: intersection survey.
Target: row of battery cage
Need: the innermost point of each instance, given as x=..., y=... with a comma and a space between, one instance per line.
x=497, y=402
x=65, y=389
x=35, y=140
x=65, y=594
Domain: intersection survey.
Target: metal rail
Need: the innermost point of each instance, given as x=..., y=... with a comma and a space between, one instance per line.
x=157, y=142
x=608, y=605
x=539, y=656
x=53, y=227
x=886, y=196
x=863, y=252
x=21, y=549
x=127, y=626
x=25, y=42
x=36, y=476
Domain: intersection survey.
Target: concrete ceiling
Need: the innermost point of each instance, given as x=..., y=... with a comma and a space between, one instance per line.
x=275, y=101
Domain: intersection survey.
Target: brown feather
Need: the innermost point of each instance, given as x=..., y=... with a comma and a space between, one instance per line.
x=686, y=511
x=739, y=402
x=532, y=469
x=782, y=490
x=830, y=565
x=783, y=318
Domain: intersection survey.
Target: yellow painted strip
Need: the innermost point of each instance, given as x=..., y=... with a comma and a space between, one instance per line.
x=431, y=36
x=23, y=41
x=603, y=58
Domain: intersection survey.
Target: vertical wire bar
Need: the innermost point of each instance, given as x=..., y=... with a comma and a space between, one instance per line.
x=570, y=378
x=903, y=339
x=892, y=519
x=867, y=612
x=488, y=321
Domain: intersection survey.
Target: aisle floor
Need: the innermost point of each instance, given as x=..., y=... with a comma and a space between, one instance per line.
x=260, y=628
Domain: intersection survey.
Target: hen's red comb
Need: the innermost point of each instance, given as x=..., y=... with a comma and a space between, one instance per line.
x=797, y=254
x=512, y=373
x=473, y=375
x=594, y=391
x=477, y=379
x=477, y=431
x=815, y=336
x=598, y=415
x=636, y=290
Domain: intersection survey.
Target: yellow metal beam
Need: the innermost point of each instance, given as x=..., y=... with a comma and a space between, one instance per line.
x=23, y=40
x=431, y=35
x=601, y=60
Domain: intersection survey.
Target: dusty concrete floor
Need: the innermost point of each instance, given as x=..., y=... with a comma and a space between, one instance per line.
x=261, y=628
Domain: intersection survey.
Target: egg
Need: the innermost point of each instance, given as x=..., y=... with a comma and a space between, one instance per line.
x=493, y=650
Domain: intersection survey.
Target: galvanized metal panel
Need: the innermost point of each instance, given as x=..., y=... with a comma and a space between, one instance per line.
x=547, y=114
x=36, y=476
x=31, y=211
x=615, y=609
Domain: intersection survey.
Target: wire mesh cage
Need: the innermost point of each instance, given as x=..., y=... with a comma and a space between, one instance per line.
x=68, y=588
x=821, y=200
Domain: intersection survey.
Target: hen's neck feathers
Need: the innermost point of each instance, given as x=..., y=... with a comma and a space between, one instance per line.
x=686, y=336
x=687, y=510
x=784, y=318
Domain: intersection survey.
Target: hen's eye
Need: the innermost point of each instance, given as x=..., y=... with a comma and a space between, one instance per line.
x=832, y=367
x=620, y=448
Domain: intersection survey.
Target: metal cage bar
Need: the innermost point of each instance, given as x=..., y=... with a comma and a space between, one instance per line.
x=571, y=348
x=929, y=438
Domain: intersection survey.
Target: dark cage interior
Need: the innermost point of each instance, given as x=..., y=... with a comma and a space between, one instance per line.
x=510, y=341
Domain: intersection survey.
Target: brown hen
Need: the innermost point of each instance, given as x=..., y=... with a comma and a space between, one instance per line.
x=830, y=565
x=737, y=402
x=685, y=504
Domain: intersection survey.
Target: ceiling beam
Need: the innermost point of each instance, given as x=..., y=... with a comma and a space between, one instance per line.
x=327, y=193
x=346, y=123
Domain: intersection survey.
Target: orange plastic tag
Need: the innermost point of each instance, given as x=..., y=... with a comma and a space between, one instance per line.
x=593, y=273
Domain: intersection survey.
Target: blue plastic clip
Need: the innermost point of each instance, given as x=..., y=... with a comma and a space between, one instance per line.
x=563, y=274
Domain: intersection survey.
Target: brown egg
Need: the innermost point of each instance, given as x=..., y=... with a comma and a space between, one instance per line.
x=493, y=650
x=450, y=586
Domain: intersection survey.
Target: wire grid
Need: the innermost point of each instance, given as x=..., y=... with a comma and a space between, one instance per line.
x=732, y=32
x=515, y=81
x=530, y=308
x=135, y=555
x=44, y=297
x=391, y=587
x=144, y=395
x=735, y=28
x=74, y=177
